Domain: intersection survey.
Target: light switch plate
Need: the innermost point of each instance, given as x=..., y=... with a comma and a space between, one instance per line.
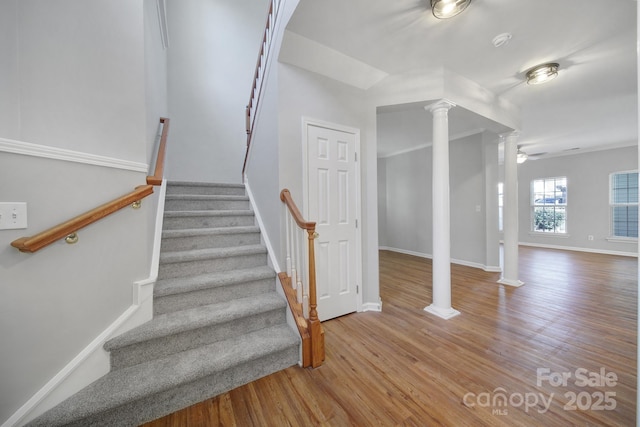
x=13, y=215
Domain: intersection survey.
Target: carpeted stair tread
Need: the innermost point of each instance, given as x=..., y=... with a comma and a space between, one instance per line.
x=203, y=184
x=210, y=213
x=206, y=197
x=175, y=286
x=126, y=385
x=201, y=254
x=198, y=317
x=216, y=231
x=184, y=187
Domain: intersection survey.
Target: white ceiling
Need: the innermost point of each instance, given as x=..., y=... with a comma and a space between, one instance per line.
x=591, y=105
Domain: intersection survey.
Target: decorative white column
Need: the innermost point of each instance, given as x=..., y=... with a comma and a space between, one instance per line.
x=510, y=212
x=441, y=305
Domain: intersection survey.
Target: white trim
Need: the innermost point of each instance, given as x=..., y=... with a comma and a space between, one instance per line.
x=263, y=233
x=508, y=282
x=445, y=314
x=406, y=252
x=36, y=150
x=372, y=306
x=487, y=268
x=543, y=234
x=572, y=248
x=162, y=22
x=90, y=351
x=157, y=238
x=306, y=122
x=452, y=138
x=632, y=240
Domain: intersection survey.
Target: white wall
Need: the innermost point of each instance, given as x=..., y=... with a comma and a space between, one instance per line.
x=409, y=200
x=587, y=199
x=9, y=77
x=87, y=77
x=305, y=94
x=468, y=223
x=55, y=302
x=382, y=202
x=213, y=48
x=81, y=76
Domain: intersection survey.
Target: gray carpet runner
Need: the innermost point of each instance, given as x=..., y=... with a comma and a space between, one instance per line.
x=218, y=322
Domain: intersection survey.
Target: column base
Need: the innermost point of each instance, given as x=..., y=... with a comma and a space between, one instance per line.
x=515, y=283
x=444, y=313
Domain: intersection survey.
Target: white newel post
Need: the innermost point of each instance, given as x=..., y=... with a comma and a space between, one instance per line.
x=441, y=305
x=510, y=212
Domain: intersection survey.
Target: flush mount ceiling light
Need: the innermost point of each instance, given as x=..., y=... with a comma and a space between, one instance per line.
x=542, y=73
x=443, y=9
x=521, y=156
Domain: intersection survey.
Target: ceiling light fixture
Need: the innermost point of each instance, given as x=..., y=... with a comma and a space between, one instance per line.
x=521, y=156
x=443, y=9
x=542, y=73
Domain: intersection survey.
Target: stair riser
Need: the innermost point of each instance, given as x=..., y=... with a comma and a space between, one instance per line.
x=182, y=223
x=166, y=346
x=177, y=302
x=211, y=190
x=209, y=241
x=204, y=205
x=206, y=266
x=167, y=402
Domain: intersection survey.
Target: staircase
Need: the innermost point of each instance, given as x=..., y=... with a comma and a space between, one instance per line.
x=218, y=322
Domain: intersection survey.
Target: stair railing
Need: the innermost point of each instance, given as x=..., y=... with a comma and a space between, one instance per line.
x=67, y=230
x=301, y=280
x=258, y=77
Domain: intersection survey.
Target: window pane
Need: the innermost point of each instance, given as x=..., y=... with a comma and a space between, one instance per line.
x=620, y=195
x=625, y=221
x=549, y=200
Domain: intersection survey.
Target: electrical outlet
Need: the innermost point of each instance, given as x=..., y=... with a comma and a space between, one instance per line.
x=590, y=237
x=13, y=215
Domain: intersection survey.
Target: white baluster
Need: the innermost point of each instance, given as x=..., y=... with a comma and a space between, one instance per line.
x=287, y=221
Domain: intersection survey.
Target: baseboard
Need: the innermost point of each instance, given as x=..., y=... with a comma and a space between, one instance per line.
x=490, y=269
x=263, y=233
x=36, y=150
x=93, y=361
x=372, y=306
x=89, y=365
x=406, y=252
x=577, y=249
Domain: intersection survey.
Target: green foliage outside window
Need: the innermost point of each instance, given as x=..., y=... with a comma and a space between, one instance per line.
x=549, y=220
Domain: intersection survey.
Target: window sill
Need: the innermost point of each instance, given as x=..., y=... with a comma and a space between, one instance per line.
x=633, y=240
x=559, y=235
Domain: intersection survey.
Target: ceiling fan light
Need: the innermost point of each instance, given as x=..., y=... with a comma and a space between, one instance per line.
x=443, y=9
x=542, y=73
x=521, y=157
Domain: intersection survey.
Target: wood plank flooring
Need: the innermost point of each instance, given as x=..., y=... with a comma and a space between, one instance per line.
x=576, y=314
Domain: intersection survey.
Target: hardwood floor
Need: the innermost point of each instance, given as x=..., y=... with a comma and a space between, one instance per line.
x=576, y=314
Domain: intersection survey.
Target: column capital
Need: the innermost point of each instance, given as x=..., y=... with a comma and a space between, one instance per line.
x=509, y=135
x=439, y=105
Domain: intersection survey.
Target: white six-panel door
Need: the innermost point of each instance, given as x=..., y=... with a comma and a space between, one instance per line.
x=333, y=203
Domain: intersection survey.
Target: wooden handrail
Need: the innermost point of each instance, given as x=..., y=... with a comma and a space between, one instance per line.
x=314, y=326
x=285, y=196
x=66, y=229
x=156, y=178
x=60, y=231
x=254, y=97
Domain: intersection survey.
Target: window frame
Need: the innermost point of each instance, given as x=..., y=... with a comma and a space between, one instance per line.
x=612, y=205
x=564, y=205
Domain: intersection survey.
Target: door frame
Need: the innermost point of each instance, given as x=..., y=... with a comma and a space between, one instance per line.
x=306, y=122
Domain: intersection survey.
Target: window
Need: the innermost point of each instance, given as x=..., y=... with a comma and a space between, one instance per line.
x=624, y=204
x=549, y=205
